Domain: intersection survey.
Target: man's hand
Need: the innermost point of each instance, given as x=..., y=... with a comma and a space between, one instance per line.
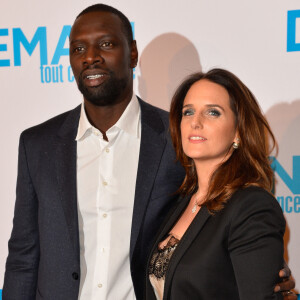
x=287, y=284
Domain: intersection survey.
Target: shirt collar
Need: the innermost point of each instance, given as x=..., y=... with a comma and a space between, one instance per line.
x=129, y=121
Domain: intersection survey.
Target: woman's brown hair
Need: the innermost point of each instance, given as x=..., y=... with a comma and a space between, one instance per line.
x=249, y=164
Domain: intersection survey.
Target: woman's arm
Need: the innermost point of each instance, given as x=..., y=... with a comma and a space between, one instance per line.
x=256, y=244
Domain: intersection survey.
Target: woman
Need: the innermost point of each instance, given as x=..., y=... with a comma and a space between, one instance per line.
x=224, y=240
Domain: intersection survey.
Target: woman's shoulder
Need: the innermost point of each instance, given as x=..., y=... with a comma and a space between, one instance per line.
x=253, y=202
x=253, y=195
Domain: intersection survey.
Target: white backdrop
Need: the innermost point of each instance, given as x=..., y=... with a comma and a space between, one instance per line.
x=174, y=38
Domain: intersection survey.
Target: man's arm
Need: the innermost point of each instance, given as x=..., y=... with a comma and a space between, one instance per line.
x=287, y=284
x=20, y=279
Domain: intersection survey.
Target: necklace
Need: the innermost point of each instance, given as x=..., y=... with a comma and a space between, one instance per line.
x=195, y=206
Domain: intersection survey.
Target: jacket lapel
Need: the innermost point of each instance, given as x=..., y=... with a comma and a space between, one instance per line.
x=171, y=219
x=151, y=150
x=66, y=151
x=189, y=236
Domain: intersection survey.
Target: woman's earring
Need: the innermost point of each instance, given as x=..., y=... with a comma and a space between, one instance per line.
x=236, y=144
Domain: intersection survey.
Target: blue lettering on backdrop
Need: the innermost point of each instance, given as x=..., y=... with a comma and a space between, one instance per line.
x=60, y=50
x=3, y=47
x=292, y=183
x=289, y=203
x=51, y=74
x=292, y=16
x=40, y=36
x=70, y=74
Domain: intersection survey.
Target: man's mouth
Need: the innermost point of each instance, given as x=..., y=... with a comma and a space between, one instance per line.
x=91, y=77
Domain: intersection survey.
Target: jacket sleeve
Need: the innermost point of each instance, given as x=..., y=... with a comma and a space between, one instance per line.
x=20, y=278
x=255, y=244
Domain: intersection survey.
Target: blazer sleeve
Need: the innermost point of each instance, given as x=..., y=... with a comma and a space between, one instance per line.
x=255, y=244
x=20, y=278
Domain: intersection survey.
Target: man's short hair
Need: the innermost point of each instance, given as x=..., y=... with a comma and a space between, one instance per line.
x=106, y=8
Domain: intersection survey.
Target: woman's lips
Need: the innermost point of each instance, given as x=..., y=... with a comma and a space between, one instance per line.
x=196, y=139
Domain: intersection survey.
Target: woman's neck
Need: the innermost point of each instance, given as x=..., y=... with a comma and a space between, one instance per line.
x=204, y=172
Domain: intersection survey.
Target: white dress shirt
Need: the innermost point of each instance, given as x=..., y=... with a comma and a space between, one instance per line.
x=106, y=178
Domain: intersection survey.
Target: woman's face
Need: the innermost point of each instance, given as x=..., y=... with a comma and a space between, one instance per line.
x=208, y=126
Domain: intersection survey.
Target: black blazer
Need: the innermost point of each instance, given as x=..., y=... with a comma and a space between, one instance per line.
x=235, y=254
x=43, y=260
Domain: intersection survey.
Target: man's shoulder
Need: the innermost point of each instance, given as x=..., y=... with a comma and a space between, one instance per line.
x=52, y=125
x=152, y=112
x=150, y=107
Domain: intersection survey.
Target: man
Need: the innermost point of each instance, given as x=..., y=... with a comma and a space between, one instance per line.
x=95, y=183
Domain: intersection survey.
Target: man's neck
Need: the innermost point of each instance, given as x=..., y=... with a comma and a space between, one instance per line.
x=104, y=117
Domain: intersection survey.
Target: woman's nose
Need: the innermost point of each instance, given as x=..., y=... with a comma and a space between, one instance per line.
x=196, y=122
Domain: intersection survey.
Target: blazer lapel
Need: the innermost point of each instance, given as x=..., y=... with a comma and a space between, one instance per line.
x=189, y=236
x=171, y=219
x=151, y=150
x=66, y=151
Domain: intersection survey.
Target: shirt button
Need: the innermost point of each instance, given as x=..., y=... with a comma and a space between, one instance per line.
x=99, y=285
x=104, y=183
x=107, y=150
x=104, y=215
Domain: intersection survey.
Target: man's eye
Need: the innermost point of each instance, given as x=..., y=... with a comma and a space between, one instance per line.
x=214, y=112
x=78, y=49
x=106, y=44
x=188, y=112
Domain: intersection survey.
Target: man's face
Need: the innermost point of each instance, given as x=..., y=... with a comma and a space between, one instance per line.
x=101, y=58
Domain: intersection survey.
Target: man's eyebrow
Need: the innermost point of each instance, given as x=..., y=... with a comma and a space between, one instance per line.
x=74, y=41
x=105, y=36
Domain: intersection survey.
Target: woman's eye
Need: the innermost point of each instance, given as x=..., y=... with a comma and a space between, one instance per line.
x=214, y=113
x=188, y=112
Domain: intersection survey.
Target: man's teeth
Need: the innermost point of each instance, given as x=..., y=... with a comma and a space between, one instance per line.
x=94, y=76
x=197, y=138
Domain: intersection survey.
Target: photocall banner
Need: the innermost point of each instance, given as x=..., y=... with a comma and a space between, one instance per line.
x=259, y=41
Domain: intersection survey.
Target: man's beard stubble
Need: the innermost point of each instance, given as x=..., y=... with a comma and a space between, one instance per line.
x=107, y=93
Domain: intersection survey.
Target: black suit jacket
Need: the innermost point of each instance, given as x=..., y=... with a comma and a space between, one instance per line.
x=235, y=254
x=43, y=260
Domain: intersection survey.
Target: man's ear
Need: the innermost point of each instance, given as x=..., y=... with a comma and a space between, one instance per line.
x=134, y=55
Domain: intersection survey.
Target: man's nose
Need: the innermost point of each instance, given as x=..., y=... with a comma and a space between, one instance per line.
x=92, y=56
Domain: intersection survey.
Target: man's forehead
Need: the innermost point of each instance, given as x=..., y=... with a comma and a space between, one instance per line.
x=98, y=18
x=105, y=22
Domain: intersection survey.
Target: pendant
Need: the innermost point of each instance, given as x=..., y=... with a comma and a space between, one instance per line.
x=194, y=208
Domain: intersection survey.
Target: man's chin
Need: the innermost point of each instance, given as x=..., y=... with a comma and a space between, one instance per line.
x=94, y=95
x=103, y=100
x=104, y=94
